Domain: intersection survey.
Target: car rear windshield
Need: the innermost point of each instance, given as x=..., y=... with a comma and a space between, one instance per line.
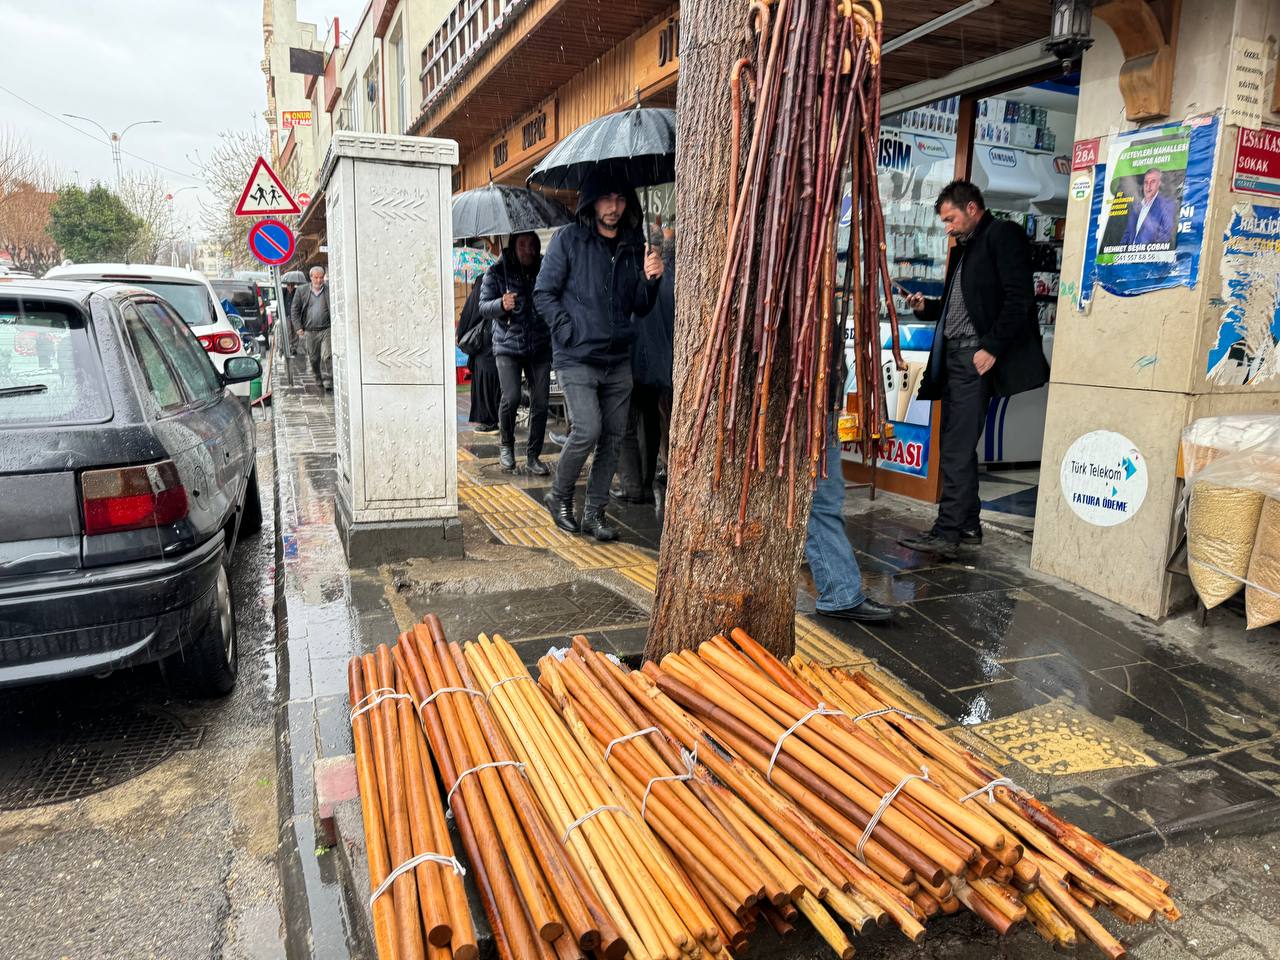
x=242, y=296
x=49, y=367
x=191, y=300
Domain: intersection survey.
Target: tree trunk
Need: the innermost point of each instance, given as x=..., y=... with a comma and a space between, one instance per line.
x=707, y=584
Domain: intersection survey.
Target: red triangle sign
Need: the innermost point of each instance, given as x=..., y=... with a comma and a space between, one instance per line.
x=265, y=194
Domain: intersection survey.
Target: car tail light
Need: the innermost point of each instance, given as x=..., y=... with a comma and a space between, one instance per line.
x=219, y=342
x=132, y=498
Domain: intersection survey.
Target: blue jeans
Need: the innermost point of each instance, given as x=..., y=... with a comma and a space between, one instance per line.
x=826, y=546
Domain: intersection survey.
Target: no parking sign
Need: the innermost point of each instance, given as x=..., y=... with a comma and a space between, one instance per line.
x=271, y=242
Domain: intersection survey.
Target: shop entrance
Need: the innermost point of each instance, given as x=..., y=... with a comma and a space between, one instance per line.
x=1015, y=144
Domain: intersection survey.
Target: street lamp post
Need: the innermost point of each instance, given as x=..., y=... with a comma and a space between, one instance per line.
x=113, y=138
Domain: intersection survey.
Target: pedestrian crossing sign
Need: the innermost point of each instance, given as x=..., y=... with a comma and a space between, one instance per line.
x=264, y=194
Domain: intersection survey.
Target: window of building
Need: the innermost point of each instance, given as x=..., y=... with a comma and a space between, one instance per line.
x=401, y=79
x=370, y=93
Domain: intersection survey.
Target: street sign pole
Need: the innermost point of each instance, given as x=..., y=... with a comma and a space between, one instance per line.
x=288, y=333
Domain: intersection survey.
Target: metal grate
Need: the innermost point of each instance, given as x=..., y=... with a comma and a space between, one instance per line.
x=529, y=614
x=76, y=757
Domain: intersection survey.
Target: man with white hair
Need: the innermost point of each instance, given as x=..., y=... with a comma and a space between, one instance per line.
x=311, y=310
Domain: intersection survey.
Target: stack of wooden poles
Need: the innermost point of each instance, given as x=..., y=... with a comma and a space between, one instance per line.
x=423, y=912
x=669, y=812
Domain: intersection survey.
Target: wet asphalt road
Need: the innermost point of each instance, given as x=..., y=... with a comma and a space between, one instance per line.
x=179, y=861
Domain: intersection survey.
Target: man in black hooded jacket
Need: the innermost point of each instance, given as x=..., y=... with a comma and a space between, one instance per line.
x=595, y=276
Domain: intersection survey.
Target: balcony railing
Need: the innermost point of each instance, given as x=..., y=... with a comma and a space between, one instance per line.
x=469, y=28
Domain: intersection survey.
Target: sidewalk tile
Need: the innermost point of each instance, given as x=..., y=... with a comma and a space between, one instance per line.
x=1185, y=796
x=1220, y=717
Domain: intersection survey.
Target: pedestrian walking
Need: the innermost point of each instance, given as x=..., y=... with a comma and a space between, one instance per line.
x=290, y=291
x=485, y=387
x=595, y=280
x=831, y=559
x=521, y=346
x=643, y=455
x=311, y=307
x=986, y=343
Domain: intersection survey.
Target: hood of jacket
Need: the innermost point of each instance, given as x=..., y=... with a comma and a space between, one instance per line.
x=600, y=182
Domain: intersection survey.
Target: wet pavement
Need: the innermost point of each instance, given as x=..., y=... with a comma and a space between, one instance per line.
x=133, y=824
x=1156, y=737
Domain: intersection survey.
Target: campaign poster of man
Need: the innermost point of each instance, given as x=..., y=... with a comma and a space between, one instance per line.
x=1150, y=225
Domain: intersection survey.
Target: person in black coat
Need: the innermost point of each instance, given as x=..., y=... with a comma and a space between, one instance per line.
x=521, y=344
x=644, y=446
x=595, y=278
x=485, y=388
x=986, y=343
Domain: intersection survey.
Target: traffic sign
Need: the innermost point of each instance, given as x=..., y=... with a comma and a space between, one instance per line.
x=264, y=193
x=271, y=242
x=304, y=200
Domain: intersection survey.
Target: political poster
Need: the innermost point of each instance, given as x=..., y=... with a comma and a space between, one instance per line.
x=1149, y=231
x=1247, y=349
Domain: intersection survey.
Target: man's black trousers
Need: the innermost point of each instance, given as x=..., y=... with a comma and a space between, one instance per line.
x=965, y=399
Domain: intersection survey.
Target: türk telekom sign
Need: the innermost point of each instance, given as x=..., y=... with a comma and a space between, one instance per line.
x=1257, y=167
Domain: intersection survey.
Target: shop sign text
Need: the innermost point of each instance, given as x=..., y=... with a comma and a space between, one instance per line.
x=1257, y=166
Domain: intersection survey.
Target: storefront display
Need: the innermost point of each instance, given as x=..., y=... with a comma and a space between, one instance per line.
x=1021, y=159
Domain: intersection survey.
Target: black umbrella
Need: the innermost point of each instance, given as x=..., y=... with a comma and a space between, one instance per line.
x=293, y=276
x=637, y=144
x=500, y=210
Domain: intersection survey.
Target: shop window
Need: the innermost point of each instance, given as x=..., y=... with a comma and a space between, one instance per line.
x=1022, y=163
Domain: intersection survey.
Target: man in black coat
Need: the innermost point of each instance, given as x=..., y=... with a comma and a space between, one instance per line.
x=595, y=277
x=986, y=343
x=521, y=344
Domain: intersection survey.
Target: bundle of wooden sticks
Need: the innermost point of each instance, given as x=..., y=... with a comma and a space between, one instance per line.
x=672, y=811
x=814, y=82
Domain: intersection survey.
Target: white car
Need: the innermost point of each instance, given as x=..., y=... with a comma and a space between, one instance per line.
x=187, y=291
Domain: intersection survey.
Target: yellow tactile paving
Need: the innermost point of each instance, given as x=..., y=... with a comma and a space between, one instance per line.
x=644, y=574
x=1061, y=739
x=465, y=454
x=590, y=556
x=545, y=537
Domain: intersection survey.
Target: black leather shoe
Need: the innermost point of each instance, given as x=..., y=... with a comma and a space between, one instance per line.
x=560, y=439
x=562, y=513
x=971, y=538
x=596, y=524
x=485, y=428
x=537, y=467
x=644, y=496
x=932, y=543
x=868, y=611
x=507, y=459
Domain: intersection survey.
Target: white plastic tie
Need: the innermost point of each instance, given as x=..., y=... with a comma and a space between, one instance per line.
x=495, y=686
x=448, y=800
x=383, y=694
x=885, y=802
x=820, y=710
x=474, y=693
x=690, y=764
x=587, y=816
x=624, y=738
x=885, y=710
x=410, y=864
x=990, y=790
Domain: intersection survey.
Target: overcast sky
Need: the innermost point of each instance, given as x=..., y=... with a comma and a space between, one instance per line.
x=192, y=64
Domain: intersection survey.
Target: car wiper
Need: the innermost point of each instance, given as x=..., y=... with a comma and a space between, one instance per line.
x=24, y=390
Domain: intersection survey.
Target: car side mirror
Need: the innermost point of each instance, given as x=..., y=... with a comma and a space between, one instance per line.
x=241, y=369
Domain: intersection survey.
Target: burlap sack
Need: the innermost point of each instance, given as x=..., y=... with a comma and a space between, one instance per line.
x=1262, y=608
x=1221, y=525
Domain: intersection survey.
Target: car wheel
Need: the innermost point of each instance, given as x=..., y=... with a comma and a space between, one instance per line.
x=251, y=516
x=208, y=665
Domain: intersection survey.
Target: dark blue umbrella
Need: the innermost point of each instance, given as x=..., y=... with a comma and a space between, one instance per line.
x=637, y=144
x=498, y=210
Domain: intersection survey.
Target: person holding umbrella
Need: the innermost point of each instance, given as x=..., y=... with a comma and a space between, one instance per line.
x=595, y=277
x=521, y=344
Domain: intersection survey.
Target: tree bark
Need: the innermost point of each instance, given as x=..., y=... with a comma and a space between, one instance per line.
x=707, y=584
